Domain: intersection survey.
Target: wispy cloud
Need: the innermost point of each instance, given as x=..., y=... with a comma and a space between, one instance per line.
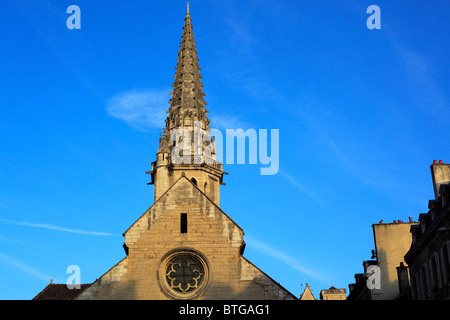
x=245, y=71
x=8, y=260
x=352, y=154
x=52, y=227
x=228, y=122
x=141, y=110
x=283, y=257
x=363, y=170
x=24, y=243
x=418, y=72
x=307, y=191
x=240, y=34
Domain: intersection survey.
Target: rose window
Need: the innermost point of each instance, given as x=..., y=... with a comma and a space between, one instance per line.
x=184, y=274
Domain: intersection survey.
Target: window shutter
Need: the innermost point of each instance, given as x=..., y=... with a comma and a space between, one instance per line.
x=427, y=280
x=439, y=282
x=443, y=274
x=448, y=252
x=413, y=288
x=419, y=281
x=430, y=277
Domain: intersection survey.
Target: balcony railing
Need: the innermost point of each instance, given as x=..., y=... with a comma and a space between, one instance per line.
x=191, y=159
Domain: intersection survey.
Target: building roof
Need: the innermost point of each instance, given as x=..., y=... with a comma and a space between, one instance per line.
x=307, y=294
x=56, y=291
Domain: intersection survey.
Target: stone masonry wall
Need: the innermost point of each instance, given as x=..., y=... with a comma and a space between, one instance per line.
x=210, y=231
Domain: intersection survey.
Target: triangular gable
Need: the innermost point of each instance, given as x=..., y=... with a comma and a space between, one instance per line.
x=196, y=188
x=307, y=294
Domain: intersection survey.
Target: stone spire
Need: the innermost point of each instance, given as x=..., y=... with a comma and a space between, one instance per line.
x=177, y=156
x=187, y=104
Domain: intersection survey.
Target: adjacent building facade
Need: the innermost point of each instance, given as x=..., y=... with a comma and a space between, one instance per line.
x=429, y=255
x=412, y=258
x=392, y=241
x=333, y=294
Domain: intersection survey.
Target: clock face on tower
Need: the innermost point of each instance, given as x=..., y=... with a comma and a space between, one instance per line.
x=183, y=274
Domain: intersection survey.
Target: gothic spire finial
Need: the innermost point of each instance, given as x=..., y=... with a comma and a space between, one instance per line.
x=188, y=102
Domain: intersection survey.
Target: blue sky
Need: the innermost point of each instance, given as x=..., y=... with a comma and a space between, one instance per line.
x=361, y=114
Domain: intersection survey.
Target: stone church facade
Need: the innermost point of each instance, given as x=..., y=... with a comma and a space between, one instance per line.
x=184, y=246
x=202, y=261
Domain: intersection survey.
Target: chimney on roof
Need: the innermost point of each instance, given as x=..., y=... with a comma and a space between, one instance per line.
x=440, y=174
x=410, y=219
x=51, y=281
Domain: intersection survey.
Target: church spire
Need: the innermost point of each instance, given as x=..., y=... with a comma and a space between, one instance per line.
x=186, y=147
x=187, y=96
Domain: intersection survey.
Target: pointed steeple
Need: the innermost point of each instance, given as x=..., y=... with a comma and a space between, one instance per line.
x=187, y=96
x=177, y=155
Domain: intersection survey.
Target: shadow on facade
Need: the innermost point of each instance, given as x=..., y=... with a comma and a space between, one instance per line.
x=383, y=286
x=248, y=290
x=118, y=290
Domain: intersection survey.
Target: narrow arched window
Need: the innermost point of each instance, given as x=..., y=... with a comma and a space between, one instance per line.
x=194, y=181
